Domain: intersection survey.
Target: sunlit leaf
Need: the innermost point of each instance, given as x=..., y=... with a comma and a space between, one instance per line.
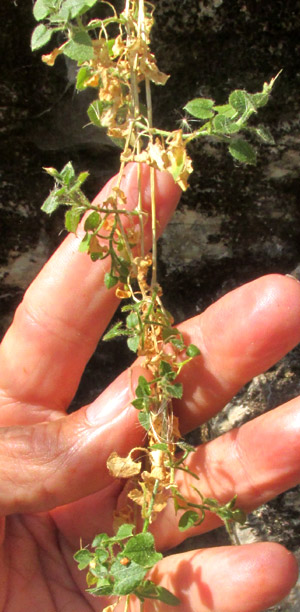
x=78, y=7
x=79, y=47
x=84, y=244
x=225, y=109
x=83, y=557
x=125, y=531
x=126, y=577
x=123, y=467
x=201, y=108
x=83, y=75
x=100, y=540
x=40, y=36
x=51, y=203
x=141, y=549
x=42, y=8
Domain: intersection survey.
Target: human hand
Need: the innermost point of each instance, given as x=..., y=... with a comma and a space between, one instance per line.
x=55, y=488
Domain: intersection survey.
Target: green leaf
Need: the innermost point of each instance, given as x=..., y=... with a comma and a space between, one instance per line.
x=264, y=134
x=192, y=350
x=83, y=557
x=95, y=111
x=126, y=577
x=110, y=280
x=79, y=47
x=100, y=570
x=82, y=76
x=114, y=331
x=124, y=531
x=103, y=587
x=92, y=221
x=42, y=8
x=226, y=110
x=139, y=403
x=201, y=108
x=260, y=99
x=242, y=102
x=141, y=549
x=188, y=520
x=132, y=320
x=165, y=368
x=145, y=420
x=100, y=539
x=224, y=125
x=77, y=7
x=175, y=390
x=242, y=151
x=72, y=218
x=143, y=387
x=101, y=556
x=82, y=176
x=178, y=343
x=85, y=244
x=159, y=446
x=51, y=203
x=67, y=175
x=133, y=343
x=150, y=590
x=40, y=36
x=119, y=142
x=167, y=333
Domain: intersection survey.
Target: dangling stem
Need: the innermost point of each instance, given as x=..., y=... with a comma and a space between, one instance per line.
x=153, y=225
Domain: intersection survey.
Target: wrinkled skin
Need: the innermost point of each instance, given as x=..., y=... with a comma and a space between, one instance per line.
x=55, y=488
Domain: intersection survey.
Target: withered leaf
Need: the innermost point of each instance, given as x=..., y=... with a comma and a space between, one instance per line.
x=124, y=467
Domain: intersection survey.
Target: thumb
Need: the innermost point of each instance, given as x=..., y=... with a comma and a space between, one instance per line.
x=46, y=465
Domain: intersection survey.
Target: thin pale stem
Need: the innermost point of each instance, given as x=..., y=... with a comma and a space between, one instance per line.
x=151, y=504
x=126, y=608
x=140, y=209
x=153, y=227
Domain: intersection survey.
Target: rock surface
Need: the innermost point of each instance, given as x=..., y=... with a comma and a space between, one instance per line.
x=234, y=224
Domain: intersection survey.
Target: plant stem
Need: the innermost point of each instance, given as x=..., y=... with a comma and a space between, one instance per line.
x=126, y=609
x=150, y=508
x=153, y=226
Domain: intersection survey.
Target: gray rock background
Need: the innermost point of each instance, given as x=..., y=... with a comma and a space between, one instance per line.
x=233, y=224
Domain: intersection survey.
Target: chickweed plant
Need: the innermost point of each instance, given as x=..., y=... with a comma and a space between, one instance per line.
x=114, y=58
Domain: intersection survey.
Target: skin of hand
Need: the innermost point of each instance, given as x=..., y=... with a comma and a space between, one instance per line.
x=55, y=488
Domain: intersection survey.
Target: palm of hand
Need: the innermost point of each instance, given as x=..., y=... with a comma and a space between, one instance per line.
x=55, y=486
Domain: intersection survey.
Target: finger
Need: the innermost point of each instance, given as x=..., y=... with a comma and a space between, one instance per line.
x=102, y=407
x=66, y=309
x=256, y=462
x=46, y=465
x=247, y=578
x=239, y=336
